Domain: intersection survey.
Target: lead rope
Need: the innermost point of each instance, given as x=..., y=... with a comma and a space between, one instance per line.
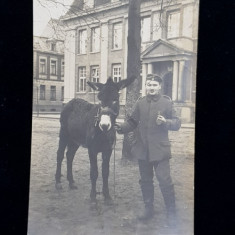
x=114, y=159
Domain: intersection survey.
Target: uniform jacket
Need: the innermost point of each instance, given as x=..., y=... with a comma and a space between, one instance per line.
x=152, y=142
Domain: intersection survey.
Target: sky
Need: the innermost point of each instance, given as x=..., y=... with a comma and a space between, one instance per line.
x=44, y=10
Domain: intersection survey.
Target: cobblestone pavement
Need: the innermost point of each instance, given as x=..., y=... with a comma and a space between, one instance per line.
x=69, y=212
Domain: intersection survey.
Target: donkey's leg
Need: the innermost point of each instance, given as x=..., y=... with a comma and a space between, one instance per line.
x=93, y=173
x=60, y=157
x=72, y=148
x=105, y=174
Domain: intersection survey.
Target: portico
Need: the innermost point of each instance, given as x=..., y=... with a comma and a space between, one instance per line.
x=175, y=66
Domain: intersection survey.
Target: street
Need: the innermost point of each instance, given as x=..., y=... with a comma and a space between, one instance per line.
x=69, y=212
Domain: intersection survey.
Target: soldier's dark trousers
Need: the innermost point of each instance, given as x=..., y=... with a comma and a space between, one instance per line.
x=162, y=172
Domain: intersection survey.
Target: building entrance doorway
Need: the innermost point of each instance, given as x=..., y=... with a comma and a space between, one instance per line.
x=167, y=84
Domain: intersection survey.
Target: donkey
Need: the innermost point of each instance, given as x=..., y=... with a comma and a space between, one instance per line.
x=91, y=126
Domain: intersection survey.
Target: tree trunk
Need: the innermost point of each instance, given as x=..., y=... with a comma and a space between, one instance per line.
x=133, y=68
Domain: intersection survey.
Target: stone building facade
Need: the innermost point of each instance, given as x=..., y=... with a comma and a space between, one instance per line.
x=96, y=47
x=48, y=72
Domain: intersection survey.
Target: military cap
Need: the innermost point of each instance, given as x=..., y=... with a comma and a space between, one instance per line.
x=153, y=77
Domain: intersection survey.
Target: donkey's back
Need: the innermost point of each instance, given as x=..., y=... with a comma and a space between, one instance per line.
x=76, y=119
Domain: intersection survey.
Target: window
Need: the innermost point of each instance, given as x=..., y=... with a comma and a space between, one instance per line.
x=53, y=67
x=95, y=39
x=53, y=93
x=62, y=93
x=42, y=92
x=62, y=68
x=94, y=74
x=173, y=27
x=117, y=36
x=88, y=3
x=145, y=29
x=82, y=41
x=188, y=21
x=42, y=66
x=116, y=73
x=81, y=85
x=53, y=46
x=101, y=2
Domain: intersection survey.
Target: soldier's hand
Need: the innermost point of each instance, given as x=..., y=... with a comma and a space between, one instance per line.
x=117, y=127
x=160, y=119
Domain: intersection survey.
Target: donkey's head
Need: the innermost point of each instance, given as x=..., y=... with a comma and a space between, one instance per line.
x=109, y=97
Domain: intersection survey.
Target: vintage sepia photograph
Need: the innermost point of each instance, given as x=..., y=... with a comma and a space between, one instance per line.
x=113, y=122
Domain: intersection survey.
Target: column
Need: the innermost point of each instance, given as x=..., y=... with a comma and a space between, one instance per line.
x=188, y=81
x=104, y=53
x=144, y=74
x=70, y=66
x=59, y=68
x=48, y=69
x=150, y=68
x=180, y=81
x=175, y=80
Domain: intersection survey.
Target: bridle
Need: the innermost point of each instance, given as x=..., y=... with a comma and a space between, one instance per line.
x=97, y=117
x=97, y=120
x=101, y=111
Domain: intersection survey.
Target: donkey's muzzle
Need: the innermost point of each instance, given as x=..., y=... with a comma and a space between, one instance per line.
x=105, y=123
x=105, y=127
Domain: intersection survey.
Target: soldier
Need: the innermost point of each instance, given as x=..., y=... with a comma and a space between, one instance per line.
x=153, y=115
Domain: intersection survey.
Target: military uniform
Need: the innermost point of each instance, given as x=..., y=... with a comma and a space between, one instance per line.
x=152, y=146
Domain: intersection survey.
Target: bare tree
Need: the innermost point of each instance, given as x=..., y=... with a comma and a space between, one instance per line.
x=133, y=69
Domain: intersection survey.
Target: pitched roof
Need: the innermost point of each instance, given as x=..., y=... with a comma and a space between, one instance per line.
x=163, y=48
x=77, y=5
x=44, y=45
x=54, y=30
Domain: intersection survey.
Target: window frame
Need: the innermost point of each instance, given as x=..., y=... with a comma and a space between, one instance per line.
x=53, y=46
x=171, y=34
x=62, y=93
x=52, y=93
x=82, y=41
x=96, y=77
x=118, y=76
x=187, y=21
x=143, y=32
x=42, y=92
x=51, y=69
x=62, y=67
x=81, y=79
x=101, y=2
x=115, y=36
x=45, y=65
x=95, y=39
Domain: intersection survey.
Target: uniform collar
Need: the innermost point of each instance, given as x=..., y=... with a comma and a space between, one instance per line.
x=153, y=98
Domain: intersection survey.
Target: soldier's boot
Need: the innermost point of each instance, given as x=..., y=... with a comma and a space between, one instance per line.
x=147, y=214
x=169, y=199
x=148, y=198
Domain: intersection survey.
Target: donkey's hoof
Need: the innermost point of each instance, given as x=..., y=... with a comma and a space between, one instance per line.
x=93, y=196
x=72, y=186
x=93, y=200
x=108, y=201
x=93, y=204
x=58, y=186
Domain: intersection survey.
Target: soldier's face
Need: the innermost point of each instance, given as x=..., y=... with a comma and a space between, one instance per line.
x=152, y=87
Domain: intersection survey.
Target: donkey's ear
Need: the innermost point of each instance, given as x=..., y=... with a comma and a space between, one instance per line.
x=125, y=82
x=95, y=85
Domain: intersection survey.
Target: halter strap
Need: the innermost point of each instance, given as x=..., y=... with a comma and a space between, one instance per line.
x=108, y=110
x=97, y=116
